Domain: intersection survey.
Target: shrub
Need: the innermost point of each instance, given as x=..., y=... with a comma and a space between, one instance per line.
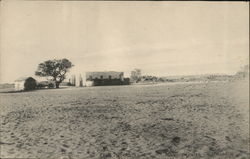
x=51, y=85
x=30, y=84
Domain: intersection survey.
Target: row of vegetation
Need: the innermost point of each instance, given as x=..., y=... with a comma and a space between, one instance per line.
x=137, y=77
x=56, y=70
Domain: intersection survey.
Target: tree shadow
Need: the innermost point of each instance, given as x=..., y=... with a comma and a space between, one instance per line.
x=33, y=90
x=14, y=91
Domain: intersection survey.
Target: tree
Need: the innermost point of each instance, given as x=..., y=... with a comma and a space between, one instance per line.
x=55, y=69
x=135, y=75
x=244, y=72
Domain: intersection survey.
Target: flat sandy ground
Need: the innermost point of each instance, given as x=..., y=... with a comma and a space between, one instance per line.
x=202, y=120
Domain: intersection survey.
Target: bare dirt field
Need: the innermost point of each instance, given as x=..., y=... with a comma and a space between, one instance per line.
x=202, y=120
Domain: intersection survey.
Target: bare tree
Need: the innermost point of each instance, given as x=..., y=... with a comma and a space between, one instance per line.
x=135, y=75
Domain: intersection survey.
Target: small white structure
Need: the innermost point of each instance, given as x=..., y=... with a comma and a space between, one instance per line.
x=25, y=83
x=89, y=83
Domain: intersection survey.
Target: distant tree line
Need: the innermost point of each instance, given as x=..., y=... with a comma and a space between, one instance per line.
x=137, y=77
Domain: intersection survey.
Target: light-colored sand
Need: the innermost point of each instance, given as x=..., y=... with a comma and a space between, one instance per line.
x=203, y=120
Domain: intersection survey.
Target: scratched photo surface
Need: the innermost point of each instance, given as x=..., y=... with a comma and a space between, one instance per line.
x=124, y=80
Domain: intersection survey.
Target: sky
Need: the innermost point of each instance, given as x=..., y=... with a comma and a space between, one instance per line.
x=160, y=38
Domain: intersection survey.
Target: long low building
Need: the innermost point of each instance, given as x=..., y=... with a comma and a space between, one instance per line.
x=104, y=75
x=99, y=79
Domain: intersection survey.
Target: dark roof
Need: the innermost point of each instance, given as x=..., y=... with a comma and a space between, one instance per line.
x=103, y=73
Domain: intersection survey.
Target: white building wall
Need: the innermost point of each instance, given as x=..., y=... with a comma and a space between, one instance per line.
x=19, y=85
x=80, y=80
x=89, y=83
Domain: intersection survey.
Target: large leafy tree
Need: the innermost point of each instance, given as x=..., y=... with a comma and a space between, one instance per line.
x=55, y=69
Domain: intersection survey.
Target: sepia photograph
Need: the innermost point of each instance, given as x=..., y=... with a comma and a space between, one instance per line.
x=124, y=79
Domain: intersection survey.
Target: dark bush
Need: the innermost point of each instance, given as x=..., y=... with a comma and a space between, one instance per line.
x=51, y=85
x=41, y=85
x=45, y=84
x=70, y=84
x=30, y=84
